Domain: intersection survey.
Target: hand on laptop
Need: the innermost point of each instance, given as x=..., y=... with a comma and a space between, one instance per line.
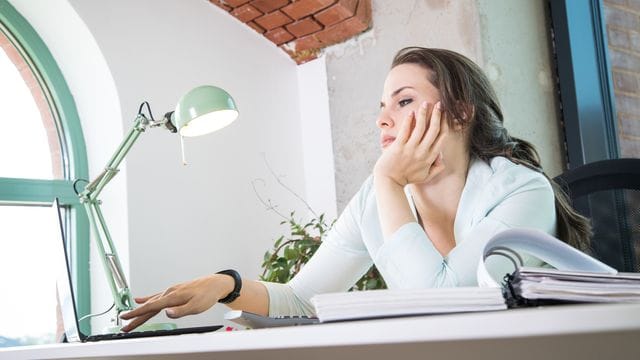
x=188, y=298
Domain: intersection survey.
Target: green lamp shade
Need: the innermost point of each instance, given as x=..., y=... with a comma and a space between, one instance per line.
x=203, y=110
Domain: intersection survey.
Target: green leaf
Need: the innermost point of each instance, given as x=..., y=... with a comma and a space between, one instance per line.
x=372, y=284
x=290, y=253
x=277, y=243
x=281, y=262
x=282, y=276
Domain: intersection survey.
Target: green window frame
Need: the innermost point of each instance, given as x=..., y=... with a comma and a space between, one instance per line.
x=41, y=192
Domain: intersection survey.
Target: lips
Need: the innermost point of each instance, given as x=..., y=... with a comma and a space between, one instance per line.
x=386, y=140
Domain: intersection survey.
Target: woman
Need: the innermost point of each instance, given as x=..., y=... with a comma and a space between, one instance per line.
x=449, y=178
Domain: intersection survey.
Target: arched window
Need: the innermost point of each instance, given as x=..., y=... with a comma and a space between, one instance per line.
x=42, y=151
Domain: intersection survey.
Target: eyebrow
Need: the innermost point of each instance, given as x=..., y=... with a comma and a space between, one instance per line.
x=396, y=92
x=400, y=89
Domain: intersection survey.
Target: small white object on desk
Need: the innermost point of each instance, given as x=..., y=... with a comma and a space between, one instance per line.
x=255, y=321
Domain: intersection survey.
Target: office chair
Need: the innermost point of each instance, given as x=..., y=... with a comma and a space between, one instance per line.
x=608, y=192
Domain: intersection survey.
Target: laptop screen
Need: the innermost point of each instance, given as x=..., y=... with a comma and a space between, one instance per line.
x=63, y=283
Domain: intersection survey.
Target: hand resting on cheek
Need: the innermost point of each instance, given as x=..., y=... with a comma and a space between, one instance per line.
x=416, y=154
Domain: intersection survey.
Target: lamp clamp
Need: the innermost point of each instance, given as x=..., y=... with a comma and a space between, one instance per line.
x=142, y=122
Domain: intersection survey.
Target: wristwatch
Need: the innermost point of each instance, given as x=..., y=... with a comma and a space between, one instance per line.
x=237, y=285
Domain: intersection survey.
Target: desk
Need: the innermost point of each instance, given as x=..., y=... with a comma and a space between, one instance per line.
x=560, y=332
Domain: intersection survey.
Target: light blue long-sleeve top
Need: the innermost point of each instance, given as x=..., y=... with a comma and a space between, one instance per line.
x=496, y=196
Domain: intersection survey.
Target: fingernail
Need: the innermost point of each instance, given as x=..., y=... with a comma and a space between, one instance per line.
x=439, y=106
x=171, y=312
x=424, y=105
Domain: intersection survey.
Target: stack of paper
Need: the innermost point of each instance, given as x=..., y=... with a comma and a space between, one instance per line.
x=579, y=286
x=388, y=303
x=595, y=282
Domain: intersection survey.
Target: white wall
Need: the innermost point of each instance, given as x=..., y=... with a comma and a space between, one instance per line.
x=183, y=221
x=316, y=138
x=516, y=54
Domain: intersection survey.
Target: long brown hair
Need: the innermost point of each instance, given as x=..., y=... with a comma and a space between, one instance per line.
x=467, y=96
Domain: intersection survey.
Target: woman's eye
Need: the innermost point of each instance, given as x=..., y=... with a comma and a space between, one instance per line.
x=405, y=102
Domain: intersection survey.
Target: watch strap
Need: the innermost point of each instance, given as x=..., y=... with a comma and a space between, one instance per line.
x=237, y=286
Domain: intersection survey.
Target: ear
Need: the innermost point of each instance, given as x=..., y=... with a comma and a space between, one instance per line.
x=467, y=111
x=458, y=124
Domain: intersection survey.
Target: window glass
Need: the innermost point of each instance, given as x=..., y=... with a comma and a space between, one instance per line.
x=42, y=151
x=29, y=139
x=28, y=302
x=623, y=35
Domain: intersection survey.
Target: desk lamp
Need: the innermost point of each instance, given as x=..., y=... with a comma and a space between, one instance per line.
x=202, y=110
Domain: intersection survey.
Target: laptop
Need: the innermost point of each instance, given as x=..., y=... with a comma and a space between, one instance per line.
x=68, y=305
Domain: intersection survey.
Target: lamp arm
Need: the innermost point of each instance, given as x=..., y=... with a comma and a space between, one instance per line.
x=89, y=198
x=203, y=100
x=94, y=188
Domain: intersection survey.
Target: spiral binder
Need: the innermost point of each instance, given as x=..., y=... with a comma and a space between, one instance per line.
x=577, y=277
x=540, y=286
x=514, y=299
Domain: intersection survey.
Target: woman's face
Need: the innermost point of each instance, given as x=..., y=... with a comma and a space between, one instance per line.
x=405, y=88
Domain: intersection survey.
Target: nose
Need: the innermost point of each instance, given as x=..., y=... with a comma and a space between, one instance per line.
x=384, y=120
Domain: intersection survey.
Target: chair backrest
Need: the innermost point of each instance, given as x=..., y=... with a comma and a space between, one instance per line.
x=608, y=192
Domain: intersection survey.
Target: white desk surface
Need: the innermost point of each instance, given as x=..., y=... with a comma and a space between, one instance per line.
x=558, y=332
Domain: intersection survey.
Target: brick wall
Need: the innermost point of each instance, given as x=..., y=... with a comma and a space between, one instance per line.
x=623, y=32
x=302, y=28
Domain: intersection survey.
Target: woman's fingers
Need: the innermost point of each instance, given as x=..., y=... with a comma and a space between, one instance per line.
x=436, y=167
x=405, y=130
x=435, y=161
x=153, y=306
x=435, y=152
x=434, y=127
x=144, y=299
x=137, y=322
x=442, y=135
x=421, y=125
x=181, y=310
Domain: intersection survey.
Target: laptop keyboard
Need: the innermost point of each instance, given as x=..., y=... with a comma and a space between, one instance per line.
x=143, y=334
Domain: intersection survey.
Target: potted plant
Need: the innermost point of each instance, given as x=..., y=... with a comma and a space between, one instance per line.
x=291, y=251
